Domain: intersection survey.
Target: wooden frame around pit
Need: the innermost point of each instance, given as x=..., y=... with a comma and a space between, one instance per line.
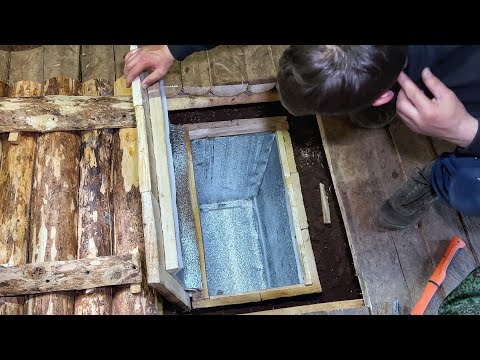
x=296, y=207
x=155, y=177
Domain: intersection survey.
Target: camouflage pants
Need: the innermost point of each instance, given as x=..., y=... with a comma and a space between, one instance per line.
x=465, y=298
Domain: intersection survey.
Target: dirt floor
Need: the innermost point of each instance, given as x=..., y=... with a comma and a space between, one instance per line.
x=329, y=241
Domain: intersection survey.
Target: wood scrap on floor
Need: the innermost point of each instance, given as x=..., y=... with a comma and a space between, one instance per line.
x=325, y=205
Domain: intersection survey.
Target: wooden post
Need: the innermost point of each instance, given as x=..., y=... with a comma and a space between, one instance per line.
x=95, y=215
x=25, y=78
x=55, y=188
x=128, y=223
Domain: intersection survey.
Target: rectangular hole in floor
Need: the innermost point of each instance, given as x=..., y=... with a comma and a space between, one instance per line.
x=238, y=213
x=329, y=241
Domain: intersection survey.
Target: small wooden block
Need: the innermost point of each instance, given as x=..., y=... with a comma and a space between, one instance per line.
x=325, y=206
x=25, y=89
x=14, y=137
x=120, y=87
x=136, y=288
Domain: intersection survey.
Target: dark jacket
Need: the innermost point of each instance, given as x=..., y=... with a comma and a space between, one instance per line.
x=458, y=66
x=180, y=52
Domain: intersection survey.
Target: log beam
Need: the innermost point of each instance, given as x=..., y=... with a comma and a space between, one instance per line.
x=70, y=275
x=65, y=113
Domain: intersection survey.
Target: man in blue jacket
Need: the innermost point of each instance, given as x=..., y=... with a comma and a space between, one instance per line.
x=435, y=89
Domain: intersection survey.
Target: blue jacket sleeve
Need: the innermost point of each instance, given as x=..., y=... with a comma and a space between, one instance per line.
x=180, y=52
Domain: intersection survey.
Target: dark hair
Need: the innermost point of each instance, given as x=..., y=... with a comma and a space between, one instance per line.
x=337, y=79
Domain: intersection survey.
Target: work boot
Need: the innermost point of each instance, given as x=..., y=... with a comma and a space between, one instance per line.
x=374, y=117
x=410, y=203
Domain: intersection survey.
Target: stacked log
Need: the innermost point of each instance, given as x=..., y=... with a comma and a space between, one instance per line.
x=16, y=170
x=55, y=189
x=95, y=212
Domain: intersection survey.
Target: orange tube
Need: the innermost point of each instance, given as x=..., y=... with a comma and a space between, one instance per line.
x=438, y=276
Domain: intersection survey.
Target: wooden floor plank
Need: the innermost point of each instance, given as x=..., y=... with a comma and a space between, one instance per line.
x=436, y=230
x=471, y=225
x=228, y=71
x=363, y=176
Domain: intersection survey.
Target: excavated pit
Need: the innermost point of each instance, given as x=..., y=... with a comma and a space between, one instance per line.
x=247, y=233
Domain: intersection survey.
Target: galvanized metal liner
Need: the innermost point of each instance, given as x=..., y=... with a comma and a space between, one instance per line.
x=246, y=229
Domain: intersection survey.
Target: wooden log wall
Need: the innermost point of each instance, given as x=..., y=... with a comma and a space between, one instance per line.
x=69, y=195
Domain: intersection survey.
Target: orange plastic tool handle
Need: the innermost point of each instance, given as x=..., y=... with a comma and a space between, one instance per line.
x=438, y=276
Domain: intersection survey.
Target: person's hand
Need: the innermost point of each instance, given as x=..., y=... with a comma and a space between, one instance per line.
x=444, y=116
x=156, y=58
